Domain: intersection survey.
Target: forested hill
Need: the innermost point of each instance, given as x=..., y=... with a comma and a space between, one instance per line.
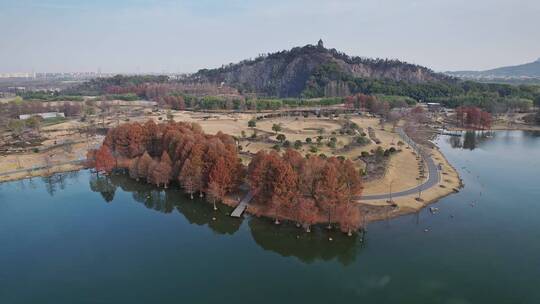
x=313, y=71
x=307, y=73
x=531, y=69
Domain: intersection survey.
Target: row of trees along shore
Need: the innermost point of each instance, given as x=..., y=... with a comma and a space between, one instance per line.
x=287, y=186
x=473, y=117
x=181, y=152
x=308, y=190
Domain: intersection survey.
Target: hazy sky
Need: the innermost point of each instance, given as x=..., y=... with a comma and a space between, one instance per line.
x=184, y=36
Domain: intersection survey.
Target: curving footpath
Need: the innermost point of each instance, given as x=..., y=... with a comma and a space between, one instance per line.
x=433, y=180
x=433, y=175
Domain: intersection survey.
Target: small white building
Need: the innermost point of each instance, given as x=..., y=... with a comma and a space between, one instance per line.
x=434, y=106
x=43, y=115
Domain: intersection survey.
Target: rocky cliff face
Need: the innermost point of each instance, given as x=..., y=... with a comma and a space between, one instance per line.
x=286, y=73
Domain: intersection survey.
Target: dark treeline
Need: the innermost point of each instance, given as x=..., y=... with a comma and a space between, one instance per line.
x=454, y=93
x=495, y=98
x=98, y=86
x=492, y=102
x=289, y=186
x=220, y=103
x=49, y=96
x=173, y=95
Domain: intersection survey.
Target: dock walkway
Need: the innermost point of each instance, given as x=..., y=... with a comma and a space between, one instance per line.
x=237, y=212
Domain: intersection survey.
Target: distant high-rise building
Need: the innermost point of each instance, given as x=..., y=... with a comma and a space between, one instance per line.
x=16, y=75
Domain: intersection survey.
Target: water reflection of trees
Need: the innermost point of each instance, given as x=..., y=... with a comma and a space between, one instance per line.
x=469, y=140
x=455, y=142
x=288, y=240
x=475, y=139
x=166, y=201
x=58, y=181
x=308, y=247
x=202, y=213
x=531, y=134
x=103, y=185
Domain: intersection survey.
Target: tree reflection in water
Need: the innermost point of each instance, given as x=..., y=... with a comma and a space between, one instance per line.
x=469, y=139
x=531, y=134
x=455, y=142
x=166, y=201
x=103, y=185
x=58, y=181
x=286, y=239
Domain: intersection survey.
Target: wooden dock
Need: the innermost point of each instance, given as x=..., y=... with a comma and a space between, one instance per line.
x=449, y=133
x=237, y=212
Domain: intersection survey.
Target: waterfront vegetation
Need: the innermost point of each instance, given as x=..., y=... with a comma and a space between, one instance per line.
x=307, y=190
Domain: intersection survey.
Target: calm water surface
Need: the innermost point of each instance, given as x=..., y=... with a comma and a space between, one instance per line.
x=80, y=238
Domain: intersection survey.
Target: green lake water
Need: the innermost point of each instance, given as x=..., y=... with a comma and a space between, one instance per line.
x=82, y=238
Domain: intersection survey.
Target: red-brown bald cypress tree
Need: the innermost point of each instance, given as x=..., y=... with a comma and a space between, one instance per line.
x=218, y=181
x=133, y=168
x=105, y=161
x=306, y=212
x=161, y=175
x=191, y=175
x=349, y=218
x=328, y=191
x=143, y=165
x=350, y=180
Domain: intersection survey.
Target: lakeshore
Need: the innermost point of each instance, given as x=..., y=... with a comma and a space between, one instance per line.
x=402, y=171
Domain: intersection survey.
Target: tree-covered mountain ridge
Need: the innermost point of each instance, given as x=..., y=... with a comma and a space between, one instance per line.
x=313, y=71
x=531, y=69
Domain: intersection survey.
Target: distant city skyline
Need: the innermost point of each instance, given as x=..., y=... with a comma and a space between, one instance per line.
x=156, y=36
